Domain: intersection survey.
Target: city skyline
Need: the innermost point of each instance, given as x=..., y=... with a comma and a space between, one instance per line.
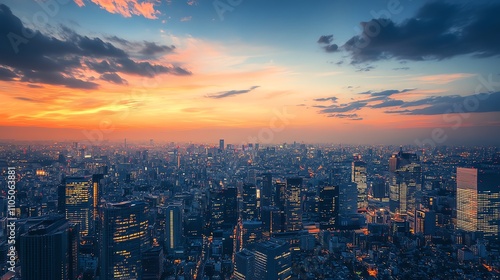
x=388, y=72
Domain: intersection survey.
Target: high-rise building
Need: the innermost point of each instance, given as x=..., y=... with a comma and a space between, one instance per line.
x=478, y=201
x=244, y=265
x=266, y=192
x=273, y=260
x=359, y=177
x=223, y=209
x=173, y=224
x=152, y=263
x=348, y=198
x=293, y=205
x=249, y=199
x=123, y=239
x=404, y=188
x=76, y=202
x=328, y=206
x=49, y=249
x=221, y=144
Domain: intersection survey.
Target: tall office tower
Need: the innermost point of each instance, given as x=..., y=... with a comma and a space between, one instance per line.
x=249, y=198
x=221, y=144
x=244, y=265
x=173, y=224
x=293, y=207
x=425, y=221
x=152, y=263
x=123, y=239
x=49, y=249
x=266, y=192
x=216, y=210
x=359, y=177
x=400, y=159
x=478, y=201
x=96, y=199
x=75, y=202
x=223, y=209
x=404, y=189
x=273, y=260
x=328, y=206
x=378, y=187
x=230, y=207
x=250, y=232
x=271, y=220
x=348, y=198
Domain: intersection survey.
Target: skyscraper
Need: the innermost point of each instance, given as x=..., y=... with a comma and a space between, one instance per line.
x=48, y=250
x=328, y=206
x=359, y=177
x=221, y=144
x=123, y=240
x=478, y=201
x=249, y=197
x=266, y=193
x=173, y=231
x=293, y=206
x=244, y=265
x=273, y=260
x=76, y=203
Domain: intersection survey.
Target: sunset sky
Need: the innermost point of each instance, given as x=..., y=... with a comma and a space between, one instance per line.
x=358, y=72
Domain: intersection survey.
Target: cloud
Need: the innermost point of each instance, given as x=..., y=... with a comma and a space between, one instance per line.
x=7, y=74
x=438, y=31
x=61, y=61
x=332, y=98
x=113, y=78
x=126, y=8
x=231, y=93
x=343, y=108
x=388, y=103
x=353, y=117
x=27, y=99
x=475, y=103
x=401, y=68
x=184, y=19
x=151, y=48
x=325, y=39
x=386, y=93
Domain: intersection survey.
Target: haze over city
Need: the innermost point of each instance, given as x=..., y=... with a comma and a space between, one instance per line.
x=357, y=72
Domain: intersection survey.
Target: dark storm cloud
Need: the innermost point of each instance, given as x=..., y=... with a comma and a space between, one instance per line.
x=332, y=98
x=231, y=93
x=113, y=78
x=439, y=30
x=151, y=48
x=118, y=40
x=39, y=58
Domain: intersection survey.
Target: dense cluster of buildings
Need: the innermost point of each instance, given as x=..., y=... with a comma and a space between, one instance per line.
x=292, y=211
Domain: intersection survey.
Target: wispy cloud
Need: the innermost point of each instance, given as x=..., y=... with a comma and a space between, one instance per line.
x=229, y=93
x=126, y=8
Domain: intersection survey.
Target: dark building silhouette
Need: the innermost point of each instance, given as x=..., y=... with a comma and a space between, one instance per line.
x=49, y=249
x=328, y=206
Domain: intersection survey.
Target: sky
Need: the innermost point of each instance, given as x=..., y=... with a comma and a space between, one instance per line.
x=325, y=71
